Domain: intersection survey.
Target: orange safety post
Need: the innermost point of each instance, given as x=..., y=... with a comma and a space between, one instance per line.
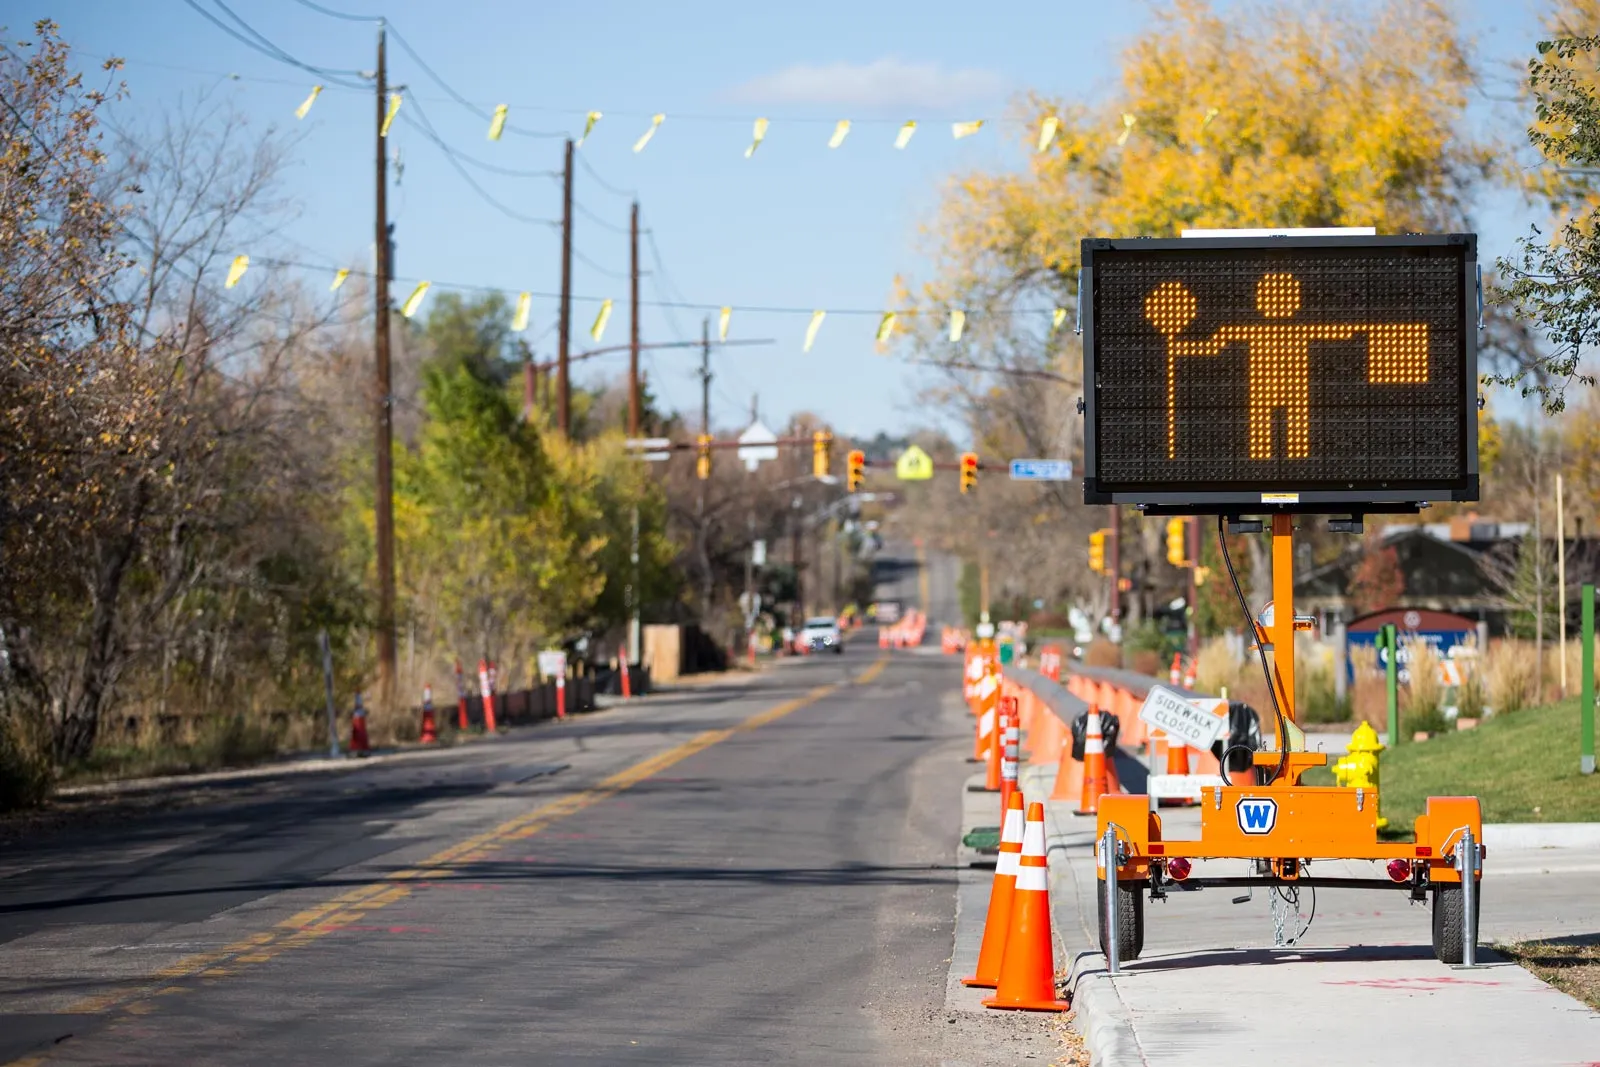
x=1027, y=969
x=1095, y=784
x=1010, y=745
x=996, y=746
x=622, y=658
x=430, y=726
x=1175, y=675
x=358, y=728
x=486, y=688
x=461, y=699
x=997, y=923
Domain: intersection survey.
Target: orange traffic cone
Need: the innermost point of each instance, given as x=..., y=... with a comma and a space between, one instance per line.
x=1027, y=969
x=997, y=924
x=1095, y=783
x=1069, y=778
x=1175, y=675
x=430, y=726
x=358, y=728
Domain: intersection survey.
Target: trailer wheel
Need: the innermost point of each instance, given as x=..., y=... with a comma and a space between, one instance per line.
x=1448, y=911
x=1130, y=922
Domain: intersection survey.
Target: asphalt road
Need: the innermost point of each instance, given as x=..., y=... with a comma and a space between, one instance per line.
x=742, y=873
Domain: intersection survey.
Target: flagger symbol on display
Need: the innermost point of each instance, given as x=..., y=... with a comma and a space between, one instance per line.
x=1280, y=357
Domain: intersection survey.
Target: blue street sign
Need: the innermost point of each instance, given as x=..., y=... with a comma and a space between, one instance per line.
x=1041, y=470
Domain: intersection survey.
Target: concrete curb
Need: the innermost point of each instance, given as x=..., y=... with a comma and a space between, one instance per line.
x=1520, y=835
x=1098, y=1012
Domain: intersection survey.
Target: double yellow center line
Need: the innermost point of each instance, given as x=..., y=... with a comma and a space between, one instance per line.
x=356, y=904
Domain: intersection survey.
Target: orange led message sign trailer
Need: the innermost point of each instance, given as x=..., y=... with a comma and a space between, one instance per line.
x=1281, y=373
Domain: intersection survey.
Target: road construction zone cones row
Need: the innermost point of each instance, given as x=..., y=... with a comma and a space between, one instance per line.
x=907, y=633
x=952, y=640
x=1017, y=956
x=430, y=725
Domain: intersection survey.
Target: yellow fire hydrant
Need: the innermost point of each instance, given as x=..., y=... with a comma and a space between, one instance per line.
x=1359, y=768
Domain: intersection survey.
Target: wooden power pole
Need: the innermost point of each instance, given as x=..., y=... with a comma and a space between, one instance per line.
x=563, y=354
x=383, y=407
x=633, y=335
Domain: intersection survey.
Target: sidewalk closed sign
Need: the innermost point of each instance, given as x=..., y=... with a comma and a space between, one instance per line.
x=1169, y=712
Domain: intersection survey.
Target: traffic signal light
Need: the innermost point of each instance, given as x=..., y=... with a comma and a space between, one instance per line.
x=857, y=471
x=969, y=471
x=1097, y=551
x=1178, y=543
x=821, y=443
x=702, y=463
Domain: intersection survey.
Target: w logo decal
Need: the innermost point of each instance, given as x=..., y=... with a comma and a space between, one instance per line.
x=1257, y=815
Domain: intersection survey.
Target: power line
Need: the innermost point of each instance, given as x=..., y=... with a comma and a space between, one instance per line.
x=450, y=154
x=319, y=9
x=425, y=127
x=598, y=221
x=458, y=98
x=607, y=186
x=272, y=51
x=619, y=275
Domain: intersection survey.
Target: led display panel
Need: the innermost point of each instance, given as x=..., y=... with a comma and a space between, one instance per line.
x=1302, y=373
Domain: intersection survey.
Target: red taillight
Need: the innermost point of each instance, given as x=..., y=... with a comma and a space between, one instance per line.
x=1425, y=851
x=1178, y=868
x=1399, y=871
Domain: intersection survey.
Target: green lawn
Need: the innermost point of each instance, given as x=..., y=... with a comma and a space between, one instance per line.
x=1522, y=766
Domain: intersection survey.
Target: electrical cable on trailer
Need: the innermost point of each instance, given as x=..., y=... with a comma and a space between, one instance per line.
x=1250, y=625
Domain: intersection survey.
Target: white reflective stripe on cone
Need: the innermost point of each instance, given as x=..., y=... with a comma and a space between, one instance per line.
x=986, y=724
x=1032, y=878
x=1008, y=863
x=1014, y=826
x=1033, y=840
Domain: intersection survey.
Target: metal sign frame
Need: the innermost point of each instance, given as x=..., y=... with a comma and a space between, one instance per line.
x=1283, y=497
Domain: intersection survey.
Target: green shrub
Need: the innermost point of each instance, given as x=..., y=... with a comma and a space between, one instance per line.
x=26, y=770
x=1429, y=719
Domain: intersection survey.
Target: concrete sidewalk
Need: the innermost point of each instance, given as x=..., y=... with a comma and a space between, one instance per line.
x=1361, y=986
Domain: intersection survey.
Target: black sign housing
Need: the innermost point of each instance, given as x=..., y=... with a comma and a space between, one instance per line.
x=1264, y=374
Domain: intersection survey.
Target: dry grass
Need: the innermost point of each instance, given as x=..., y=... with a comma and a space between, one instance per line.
x=1424, y=693
x=1102, y=653
x=1572, y=965
x=1217, y=668
x=1511, y=671
x=1370, y=694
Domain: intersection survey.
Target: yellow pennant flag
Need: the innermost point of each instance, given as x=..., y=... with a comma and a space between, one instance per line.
x=1047, y=131
x=904, y=137
x=722, y=323
x=1057, y=317
x=598, y=330
x=760, y=135
x=840, y=132
x=1127, y=127
x=339, y=277
x=958, y=324
x=655, y=124
x=498, y=124
x=588, y=126
x=236, y=271
x=811, y=330
x=519, y=320
x=1211, y=113
x=414, y=301
x=886, y=326
x=959, y=130
x=305, y=108
x=388, y=118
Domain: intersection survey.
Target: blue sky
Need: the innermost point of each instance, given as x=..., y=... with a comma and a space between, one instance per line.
x=796, y=225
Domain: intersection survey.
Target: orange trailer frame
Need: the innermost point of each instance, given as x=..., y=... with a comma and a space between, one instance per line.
x=1283, y=824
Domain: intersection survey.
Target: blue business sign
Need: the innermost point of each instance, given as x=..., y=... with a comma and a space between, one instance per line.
x=1444, y=631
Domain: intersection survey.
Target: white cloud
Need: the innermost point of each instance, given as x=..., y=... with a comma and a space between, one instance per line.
x=883, y=83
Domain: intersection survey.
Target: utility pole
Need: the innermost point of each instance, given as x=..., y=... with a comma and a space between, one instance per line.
x=383, y=404
x=1116, y=567
x=633, y=335
x=1194, y=591
x=563, y=385
x=705, y=376
x=530, y=395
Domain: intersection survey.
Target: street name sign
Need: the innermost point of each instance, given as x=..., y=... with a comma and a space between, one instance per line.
x=1189, y=723
x=1041, y=470
x=654, y=449
x=1298, y=373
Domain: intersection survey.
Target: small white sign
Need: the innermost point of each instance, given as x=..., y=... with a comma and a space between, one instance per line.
x=758, y=554
x=757, y=445
x=553, y=664
x=1182, y=786
x=1169, y=712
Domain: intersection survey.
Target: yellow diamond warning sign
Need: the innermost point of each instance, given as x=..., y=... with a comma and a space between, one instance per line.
x=914, y=465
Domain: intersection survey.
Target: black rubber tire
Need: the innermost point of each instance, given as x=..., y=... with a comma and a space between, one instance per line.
x=1448, y=909
x=1130, y=921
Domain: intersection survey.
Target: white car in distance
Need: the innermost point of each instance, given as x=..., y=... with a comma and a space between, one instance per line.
x=821, y=634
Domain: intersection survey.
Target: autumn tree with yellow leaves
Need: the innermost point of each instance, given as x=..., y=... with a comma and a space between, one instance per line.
x=1336, y=115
